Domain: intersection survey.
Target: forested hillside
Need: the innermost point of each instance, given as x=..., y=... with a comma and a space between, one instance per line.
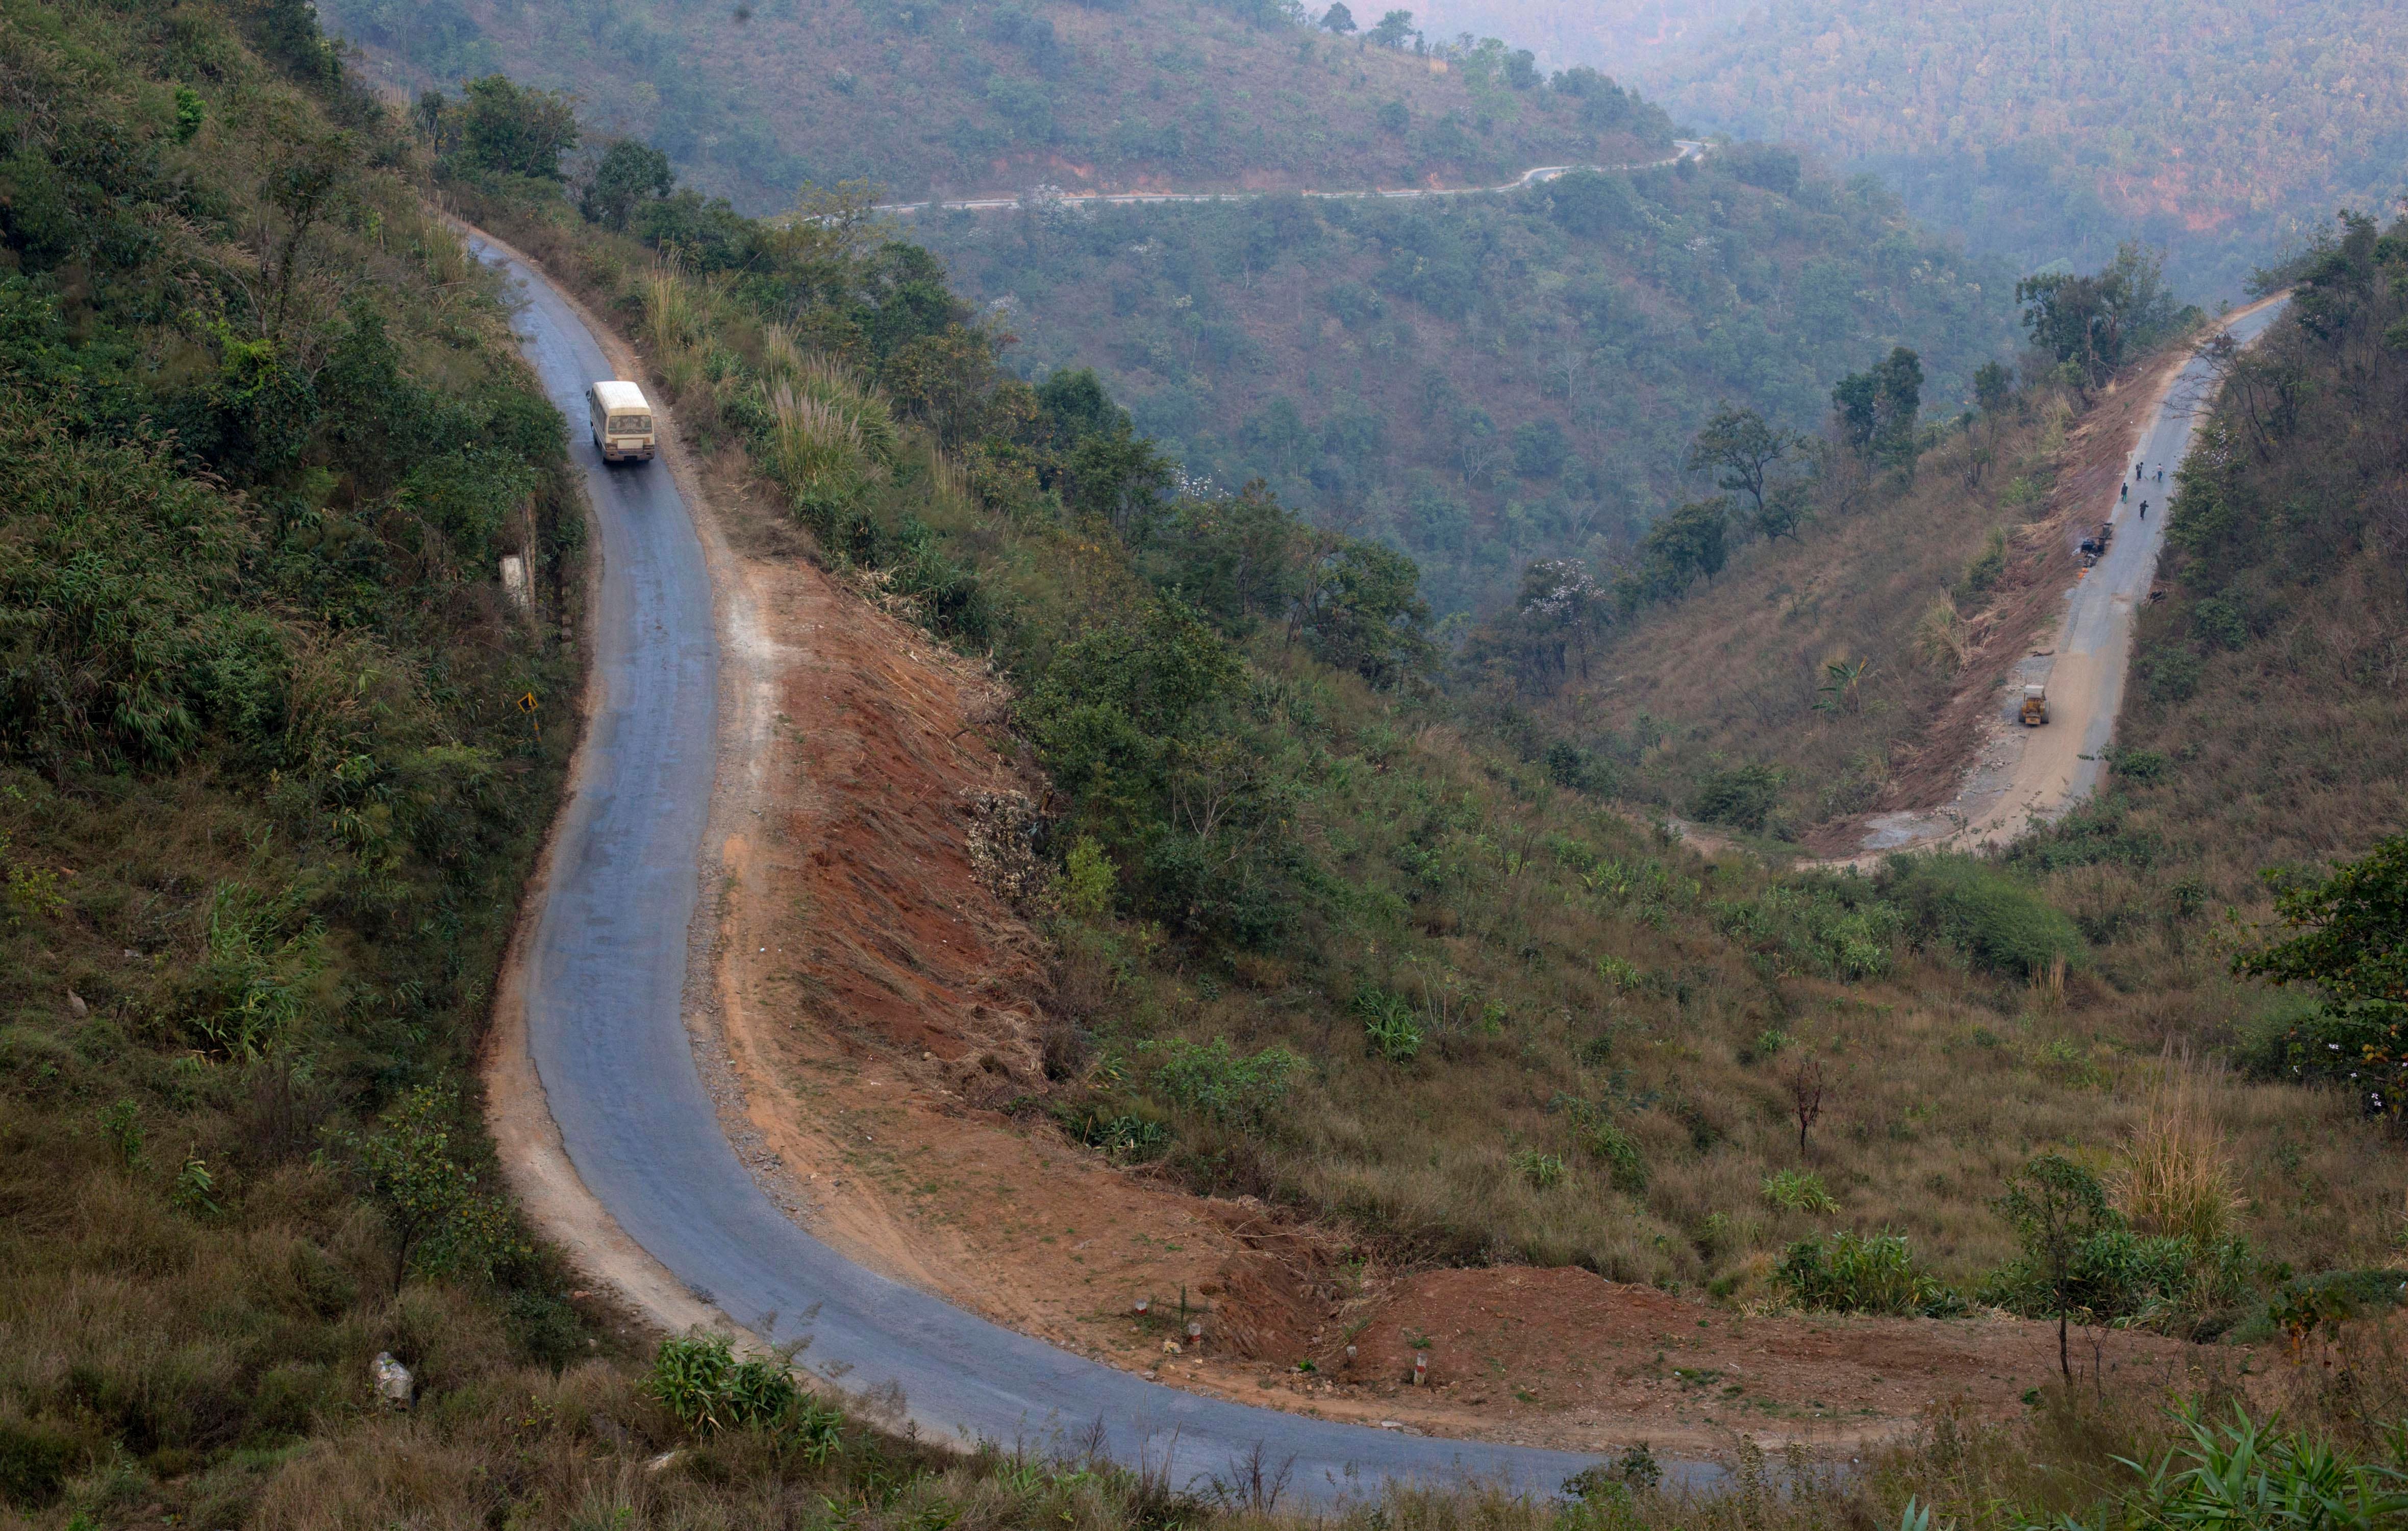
x=923, y=97
x=2223, y=132
x=1485, y=381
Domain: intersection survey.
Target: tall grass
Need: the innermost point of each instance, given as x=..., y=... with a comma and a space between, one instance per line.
x=814, y=445
x=2174, y=1174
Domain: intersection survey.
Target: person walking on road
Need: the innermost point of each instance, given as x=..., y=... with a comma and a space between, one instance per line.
x=2125, y=497
x=2144, y=510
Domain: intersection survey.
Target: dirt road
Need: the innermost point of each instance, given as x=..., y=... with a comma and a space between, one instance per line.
x=1683, y=148
x=2022, y=775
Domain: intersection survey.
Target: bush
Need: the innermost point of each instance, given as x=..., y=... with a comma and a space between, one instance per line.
x=1124, y=1136
x=2096, y=833
x=699, y=1378
x=1211, y=1080
x=1799, y=1191
x=1610, y=1146
x=1832, y=926
x=1995, y=920
x=2118, y=1274
x=1540, y=1171
x=1390, y=1028
x=1862, y=1273
x=1982, y=574
x=1742, y=797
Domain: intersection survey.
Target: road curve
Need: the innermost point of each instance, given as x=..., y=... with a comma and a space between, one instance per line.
x=604, y=974
x=1683, y=148
x=2041, y=773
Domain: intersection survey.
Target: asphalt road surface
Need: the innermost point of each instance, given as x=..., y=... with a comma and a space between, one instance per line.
x=605, y=972
x=2100, y=618
x=1683, y=148
x=2041, y=773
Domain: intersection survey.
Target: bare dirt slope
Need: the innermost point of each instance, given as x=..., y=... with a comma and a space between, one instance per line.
x=882, y=1010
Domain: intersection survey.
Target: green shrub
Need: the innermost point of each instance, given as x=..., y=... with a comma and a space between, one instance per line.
x=1390, y=1028
x=1211, y=1080
x=1862, y=1273
x=1742, y=797
x=2247, y=1474
x=699, y=1378
x=1609, y=1145
x=1126, y=1136
x=1542, y=1171
x=2098, y=833
x=1799, y=1191
x=1982, y=574
x=1998, y=922
x=1832, y=926
x=1088, y=878
x=36, y=1461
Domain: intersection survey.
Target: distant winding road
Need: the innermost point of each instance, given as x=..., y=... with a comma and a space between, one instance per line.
x=603, y=972
x=1683, y=148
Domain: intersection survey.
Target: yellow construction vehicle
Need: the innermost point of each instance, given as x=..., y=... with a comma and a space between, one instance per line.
x=2035, y=706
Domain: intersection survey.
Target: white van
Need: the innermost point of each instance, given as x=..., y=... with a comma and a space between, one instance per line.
x=621, y=420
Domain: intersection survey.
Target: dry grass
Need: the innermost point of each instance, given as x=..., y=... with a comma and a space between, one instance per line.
x=1732, y=671
x=2174, y=1174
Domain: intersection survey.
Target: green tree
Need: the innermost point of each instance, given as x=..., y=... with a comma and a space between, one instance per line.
x=2350, y=939
x=512, y=129
x=1393, y=29
x=1121, y=478
x=1741, y=450
x=2056, y=1208
x=630, y=172
x=1691, y=542
x=1994, y=388
x=2352, y=930
x=1877, y=409
x=438, y=1218
x=1363, y=611
x=1338, y=19
x=2093, y=324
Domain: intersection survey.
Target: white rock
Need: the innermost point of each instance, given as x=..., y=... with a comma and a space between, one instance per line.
x=393, y=1383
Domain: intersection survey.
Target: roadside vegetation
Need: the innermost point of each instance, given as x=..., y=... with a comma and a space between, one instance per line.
x=266, y=792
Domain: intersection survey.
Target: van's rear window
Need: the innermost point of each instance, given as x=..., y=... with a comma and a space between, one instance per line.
x=630, y=424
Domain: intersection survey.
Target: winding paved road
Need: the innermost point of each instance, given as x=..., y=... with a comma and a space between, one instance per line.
x=1683, y=148
x=605, y=971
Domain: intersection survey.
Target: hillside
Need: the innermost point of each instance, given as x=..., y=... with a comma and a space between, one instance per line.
x=2260, y=741
x=995, y=96
x=280, y=737
x=2224, y=132
x=1317, y=933
x=266, y=800
x=1484, y=382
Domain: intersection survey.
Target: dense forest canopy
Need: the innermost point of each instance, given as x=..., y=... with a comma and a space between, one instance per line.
x=2225, y=132
x=1485, y=381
